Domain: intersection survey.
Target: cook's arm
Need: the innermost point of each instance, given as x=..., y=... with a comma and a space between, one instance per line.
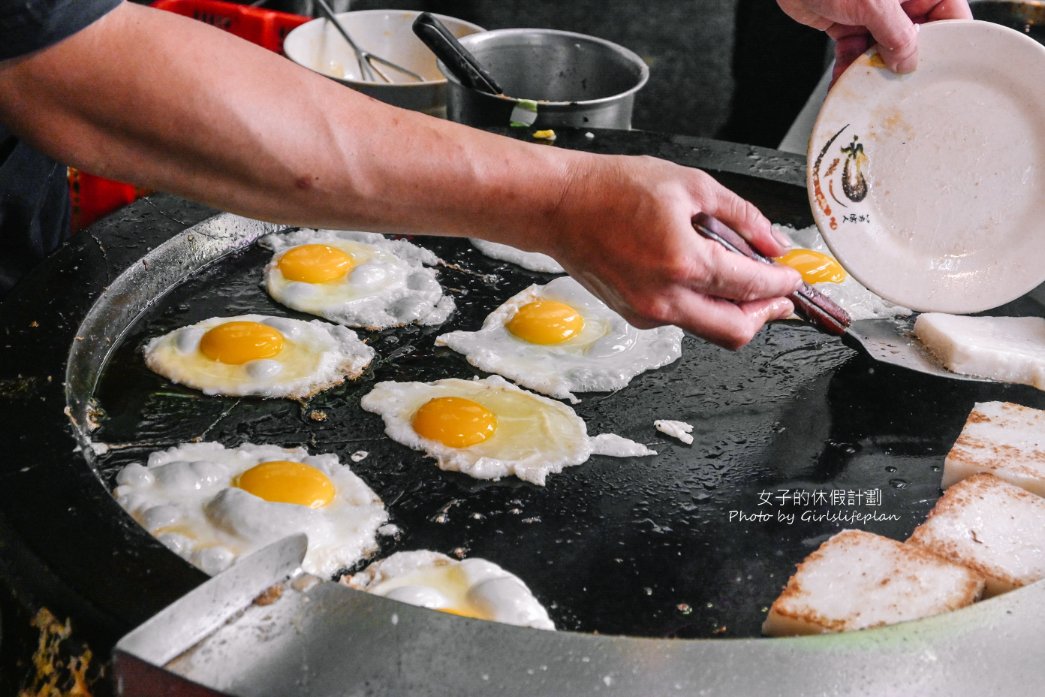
x=853, y=24
x=171, y=103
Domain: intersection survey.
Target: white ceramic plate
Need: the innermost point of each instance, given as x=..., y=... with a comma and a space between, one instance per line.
x=930, y=187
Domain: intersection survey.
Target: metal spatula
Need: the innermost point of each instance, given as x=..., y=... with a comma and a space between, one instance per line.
x=885, y=340
x=892, y=341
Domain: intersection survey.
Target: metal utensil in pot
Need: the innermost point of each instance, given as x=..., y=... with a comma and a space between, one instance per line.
x=454, y=56
x=369, y=64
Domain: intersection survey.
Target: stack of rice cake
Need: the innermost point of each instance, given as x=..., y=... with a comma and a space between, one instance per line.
x=985, y=536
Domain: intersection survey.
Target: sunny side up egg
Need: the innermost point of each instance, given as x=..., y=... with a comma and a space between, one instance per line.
x=490, y=428
x=532, y=261
x=358, y=279
x=811, y=257
x=559, y=339
x=211, y=504
x=259, y=355
x=473, y=587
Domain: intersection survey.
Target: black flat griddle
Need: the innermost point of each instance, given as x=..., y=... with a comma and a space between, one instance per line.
x=616, y=546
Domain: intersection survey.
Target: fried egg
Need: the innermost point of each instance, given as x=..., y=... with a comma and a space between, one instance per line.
x=470, y=588
x=811, y=257
x=358, y=279
x=211, y=504
x=490, y=428
x=259, y=355
x=533, y=261
x=559, y=339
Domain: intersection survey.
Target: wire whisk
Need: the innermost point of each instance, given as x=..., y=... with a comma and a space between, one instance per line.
x=369, y=64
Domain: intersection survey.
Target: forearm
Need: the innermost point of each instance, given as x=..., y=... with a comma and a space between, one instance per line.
x=173, y=104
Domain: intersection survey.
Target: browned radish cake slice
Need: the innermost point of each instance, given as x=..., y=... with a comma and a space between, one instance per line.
x=858, y=579
x=989, y=525
x=1005, y=439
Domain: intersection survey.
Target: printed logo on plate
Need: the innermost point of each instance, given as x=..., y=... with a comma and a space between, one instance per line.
x=840, y=180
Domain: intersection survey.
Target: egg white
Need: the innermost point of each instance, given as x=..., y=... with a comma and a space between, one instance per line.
x=390, y=284
x=605, y=356
x=535, y=436
x=475, y=587
x=185, y=498
x=857, y=300
x=533, y=261
x=316, y=355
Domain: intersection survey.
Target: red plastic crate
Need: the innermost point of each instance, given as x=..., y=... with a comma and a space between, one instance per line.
x=94, y=197
x=266, y=28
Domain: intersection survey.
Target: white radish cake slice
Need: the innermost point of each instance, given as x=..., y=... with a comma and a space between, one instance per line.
x=1006, y=349
x=1005, y=439
x=991, y=526
x=858, y=579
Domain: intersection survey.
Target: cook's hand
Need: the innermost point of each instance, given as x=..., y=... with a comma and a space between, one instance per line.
x=854, y=23
x=628, y=237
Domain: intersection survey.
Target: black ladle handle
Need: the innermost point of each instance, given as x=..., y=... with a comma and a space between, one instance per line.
x=456, y=57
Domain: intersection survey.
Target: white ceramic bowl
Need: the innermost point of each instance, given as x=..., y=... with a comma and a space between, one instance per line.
x=387, y=33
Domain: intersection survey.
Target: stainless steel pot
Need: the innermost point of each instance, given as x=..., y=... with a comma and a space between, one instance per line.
x=574, y=79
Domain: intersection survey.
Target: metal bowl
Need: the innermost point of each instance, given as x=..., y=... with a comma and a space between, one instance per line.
x=576, y=80
x=317, y=46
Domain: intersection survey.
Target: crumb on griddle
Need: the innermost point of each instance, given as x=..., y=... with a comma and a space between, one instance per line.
x=317, y=415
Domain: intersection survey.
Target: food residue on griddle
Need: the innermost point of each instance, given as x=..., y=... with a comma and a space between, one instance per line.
x=60, y=666
x=269, y=595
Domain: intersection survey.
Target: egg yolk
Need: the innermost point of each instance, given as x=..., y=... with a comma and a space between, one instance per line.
x=815, y=267
x=283, y=481
x=460, y=613
x=546, y=322
x=315, y=263
x=241, y=342
x=454, y=421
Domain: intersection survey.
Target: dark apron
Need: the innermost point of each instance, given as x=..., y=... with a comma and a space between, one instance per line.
x=34, y=208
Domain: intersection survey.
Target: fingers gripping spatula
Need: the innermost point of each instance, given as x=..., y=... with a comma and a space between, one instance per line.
x=885, y=340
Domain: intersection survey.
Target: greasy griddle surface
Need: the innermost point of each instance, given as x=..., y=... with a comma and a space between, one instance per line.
x=620, y=546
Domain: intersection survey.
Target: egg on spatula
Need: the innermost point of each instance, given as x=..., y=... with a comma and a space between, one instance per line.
x=811, y=257
x=358, y=279
x=490, y=428
x=211, y=504
x=259, y=355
